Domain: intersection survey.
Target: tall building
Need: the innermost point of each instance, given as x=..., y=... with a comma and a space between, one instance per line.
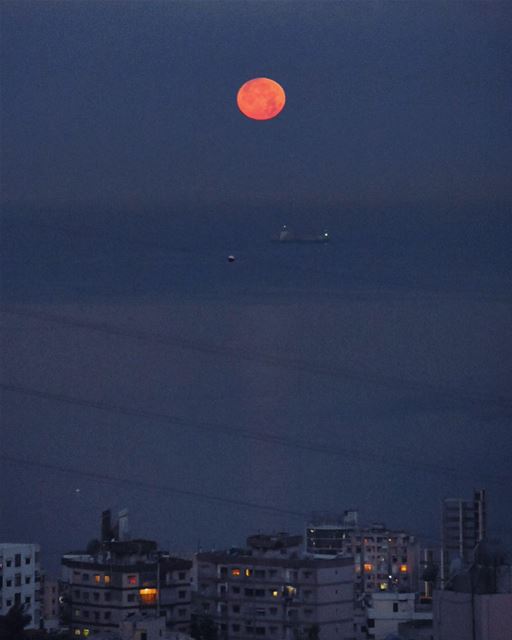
x=117, y=579
x=383, y=559
x=50, y=603
x=20, y=580
x=271, y=589
x=464, y=525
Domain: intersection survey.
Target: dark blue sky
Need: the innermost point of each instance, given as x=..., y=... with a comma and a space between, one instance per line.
x=128, y=176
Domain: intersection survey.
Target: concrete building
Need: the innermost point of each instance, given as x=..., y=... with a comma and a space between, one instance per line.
x=386, y=611
x=50, y=604
x=464, y=525
x=462, y=616
x=271, y=589
x=476, y=603
x=384, y=559
x=119, y=578
x=20, y=580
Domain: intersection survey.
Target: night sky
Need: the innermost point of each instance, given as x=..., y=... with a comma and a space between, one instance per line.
x=371, y=372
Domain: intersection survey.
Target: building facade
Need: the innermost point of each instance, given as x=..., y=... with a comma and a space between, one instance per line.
x=20, y=580
x=464, y=525
x=383, y=559
x=120, y=578
x=272, y=590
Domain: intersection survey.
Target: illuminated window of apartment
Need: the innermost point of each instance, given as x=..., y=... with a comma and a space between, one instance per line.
x=97, y=579
x=132, y=579
x=235, y=572
x=403, y=568
x=248, y=573
x=148, y=596
x=77, y=632
x=107, y=579
x=368, y=566
x=275, y=593
x=86, y=632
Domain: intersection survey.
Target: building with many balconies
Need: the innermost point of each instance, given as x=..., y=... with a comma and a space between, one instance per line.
x=272, y=590
x=119, y=579
x=383, y=559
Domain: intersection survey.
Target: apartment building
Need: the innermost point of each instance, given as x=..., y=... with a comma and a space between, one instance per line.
x=50, y=603
x=464, y=525
x=383, y=559
x=120, y=579
x=20, y=580
x=271, y=589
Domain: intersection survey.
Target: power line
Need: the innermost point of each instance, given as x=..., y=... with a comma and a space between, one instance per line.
x=142, y=484
x=294, y=364
x=237, y=432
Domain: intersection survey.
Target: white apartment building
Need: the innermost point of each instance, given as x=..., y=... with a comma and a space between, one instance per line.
x=20, y=579
x=272, y=590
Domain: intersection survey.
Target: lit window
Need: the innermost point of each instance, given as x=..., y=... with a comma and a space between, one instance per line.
x=235, y=573
x=275, y=593
x=248, y=572
x=77, y=632
x=86, y=632
x=97, y=579
x=148, y=596
x=403, y=568
x=383, y=586
x=368, y=566
x=107, y=579
x=132, y=579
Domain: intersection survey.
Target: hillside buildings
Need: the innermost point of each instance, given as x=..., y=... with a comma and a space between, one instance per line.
x=20, y=580
x=272, y=590
x=383, y=559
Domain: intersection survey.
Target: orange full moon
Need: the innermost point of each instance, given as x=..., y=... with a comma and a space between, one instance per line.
x=261, y=99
